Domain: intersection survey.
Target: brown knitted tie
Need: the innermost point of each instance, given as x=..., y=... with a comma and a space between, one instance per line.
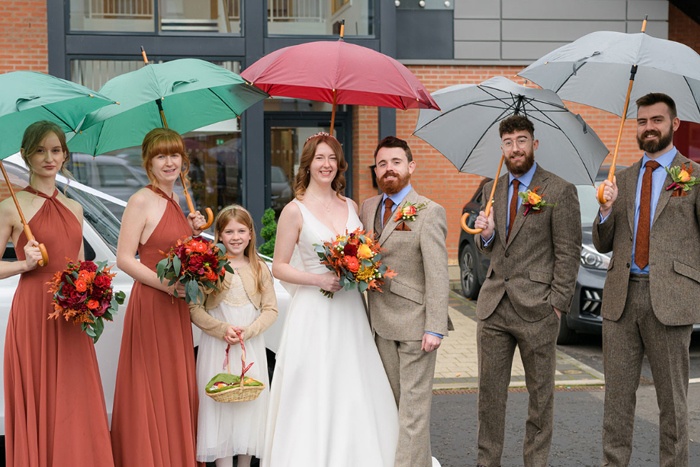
x=388, y=203
x=513, y=206
x=641, y=249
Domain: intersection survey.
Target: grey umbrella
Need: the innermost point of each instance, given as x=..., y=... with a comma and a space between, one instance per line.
x=466, y=131
x=595, y=69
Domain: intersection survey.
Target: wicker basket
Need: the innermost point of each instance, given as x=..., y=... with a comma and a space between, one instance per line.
x=238, y=393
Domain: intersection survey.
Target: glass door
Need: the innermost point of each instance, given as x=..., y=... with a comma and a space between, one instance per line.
x=285, y=136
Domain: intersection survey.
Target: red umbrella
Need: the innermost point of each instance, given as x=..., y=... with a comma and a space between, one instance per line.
x=339, y=73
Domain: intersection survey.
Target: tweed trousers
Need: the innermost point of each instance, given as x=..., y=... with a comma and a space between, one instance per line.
x=625, y=341
x=497, y=337
x=410, y=371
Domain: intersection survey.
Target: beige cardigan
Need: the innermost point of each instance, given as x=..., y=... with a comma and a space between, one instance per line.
x=266, y=302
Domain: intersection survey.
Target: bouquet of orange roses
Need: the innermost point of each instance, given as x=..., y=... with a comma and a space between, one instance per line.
x=83, y=291
x=195, y=261
x=356, y=258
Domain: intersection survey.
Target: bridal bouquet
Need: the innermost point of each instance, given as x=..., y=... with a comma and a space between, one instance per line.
x=83, y=291
x=356, y=258
x=195, y=261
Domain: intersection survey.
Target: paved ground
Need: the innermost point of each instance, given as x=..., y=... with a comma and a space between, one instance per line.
x=457, y=360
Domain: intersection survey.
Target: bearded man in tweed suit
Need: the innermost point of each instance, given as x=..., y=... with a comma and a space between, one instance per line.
x=409, y=318
x=530, y=282
x=652, y=288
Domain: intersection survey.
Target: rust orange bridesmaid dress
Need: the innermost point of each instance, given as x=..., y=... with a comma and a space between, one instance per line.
x=154, y=421
x=54, y=406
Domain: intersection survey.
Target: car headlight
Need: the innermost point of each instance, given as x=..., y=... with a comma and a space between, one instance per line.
x=591, y=259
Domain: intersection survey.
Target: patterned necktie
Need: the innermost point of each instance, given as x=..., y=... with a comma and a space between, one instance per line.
x=513, y=206
x=641, y=249
x=388, y=203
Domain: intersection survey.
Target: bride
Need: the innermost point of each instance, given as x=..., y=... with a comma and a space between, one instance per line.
x=330, y=400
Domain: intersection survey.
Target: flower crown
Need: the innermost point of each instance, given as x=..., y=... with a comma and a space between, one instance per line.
x=318, y=135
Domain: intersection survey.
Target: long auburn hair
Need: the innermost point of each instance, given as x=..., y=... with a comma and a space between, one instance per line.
x=32, y=138
x=242, y=216
x=163, y=141
x=303, y=177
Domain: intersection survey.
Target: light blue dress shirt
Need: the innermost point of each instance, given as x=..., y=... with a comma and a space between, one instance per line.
x=397, y=198
x=658, y=177
x=525, y=181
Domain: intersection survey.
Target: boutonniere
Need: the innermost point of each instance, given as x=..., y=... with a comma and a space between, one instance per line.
x=682, y=180
x=532, y=201
x=408, y=211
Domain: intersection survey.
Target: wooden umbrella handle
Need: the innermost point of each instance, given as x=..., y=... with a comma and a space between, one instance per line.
x=611, y=174
x=190, y=205
x=487, y=210
x=44, y=261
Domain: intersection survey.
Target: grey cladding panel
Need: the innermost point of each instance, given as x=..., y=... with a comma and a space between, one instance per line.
x=524, y=30
x=656, y=9
x=477, y=51
x=564, y=9
x=528, y=50
x=477, y=30
x=476, y=9
x=424, y=34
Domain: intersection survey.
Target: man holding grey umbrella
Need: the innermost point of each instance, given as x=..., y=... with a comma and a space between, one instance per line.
x=650, y=223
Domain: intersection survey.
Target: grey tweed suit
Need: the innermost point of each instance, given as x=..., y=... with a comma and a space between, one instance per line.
x=413, y=302
x=649, y=314
x=530, y=273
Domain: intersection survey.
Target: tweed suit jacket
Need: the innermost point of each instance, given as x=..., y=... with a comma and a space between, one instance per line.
x=674, y=249
x=538, y=265
x=416, y=300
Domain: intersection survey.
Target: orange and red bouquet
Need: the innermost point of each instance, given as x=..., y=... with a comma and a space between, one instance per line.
x=193, y=262
x=83, y=291
x=356, y=259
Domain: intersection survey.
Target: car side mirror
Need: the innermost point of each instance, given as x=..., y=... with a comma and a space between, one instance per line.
x=132, y=182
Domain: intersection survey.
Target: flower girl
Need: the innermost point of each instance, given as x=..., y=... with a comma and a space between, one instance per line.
x=246, y=304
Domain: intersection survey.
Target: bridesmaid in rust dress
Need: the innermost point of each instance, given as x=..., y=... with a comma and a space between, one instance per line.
x=54, y=406
x=154, y=421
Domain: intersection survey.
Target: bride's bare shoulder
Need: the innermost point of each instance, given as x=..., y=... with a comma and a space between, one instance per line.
x=290, y=213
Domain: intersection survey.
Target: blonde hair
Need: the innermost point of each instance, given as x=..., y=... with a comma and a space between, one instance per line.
x=242, y=216
x=303, y=177
x=34, y=135
x=163, y=141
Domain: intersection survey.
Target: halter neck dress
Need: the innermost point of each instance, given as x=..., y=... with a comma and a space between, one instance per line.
x=155, y=401
x=54, y=406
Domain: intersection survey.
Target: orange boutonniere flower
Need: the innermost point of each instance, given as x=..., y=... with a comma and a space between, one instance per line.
x=682, y=179
x=408, y=211
x=533, y=201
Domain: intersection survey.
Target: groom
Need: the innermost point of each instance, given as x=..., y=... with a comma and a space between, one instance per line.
x=409, y=317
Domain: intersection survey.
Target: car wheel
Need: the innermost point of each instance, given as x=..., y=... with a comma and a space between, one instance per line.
x=468, y=275
x=566, y=334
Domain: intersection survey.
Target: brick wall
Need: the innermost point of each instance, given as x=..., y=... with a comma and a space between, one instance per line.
x=681, y=28
x=23, y=36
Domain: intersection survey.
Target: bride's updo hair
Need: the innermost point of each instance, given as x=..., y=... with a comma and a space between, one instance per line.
x=307, y=156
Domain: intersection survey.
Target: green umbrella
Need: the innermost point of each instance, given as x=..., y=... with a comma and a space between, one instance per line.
x=192, y=93
x=181, y=95
x=28, y=97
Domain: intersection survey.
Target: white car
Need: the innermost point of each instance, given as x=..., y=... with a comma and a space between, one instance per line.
x=101, y=231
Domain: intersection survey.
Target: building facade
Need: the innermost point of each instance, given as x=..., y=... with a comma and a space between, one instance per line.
x=252, y=161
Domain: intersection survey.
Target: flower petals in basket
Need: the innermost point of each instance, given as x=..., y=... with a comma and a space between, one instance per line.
x=226, y=387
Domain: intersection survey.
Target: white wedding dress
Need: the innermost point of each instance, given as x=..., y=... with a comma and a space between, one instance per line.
x=330, y=401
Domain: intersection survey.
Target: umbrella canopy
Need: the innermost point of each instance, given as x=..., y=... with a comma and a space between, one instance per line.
x=28, y=97
x=595, y=70
x=192, y=93
x=358, y=75
x=466, y=132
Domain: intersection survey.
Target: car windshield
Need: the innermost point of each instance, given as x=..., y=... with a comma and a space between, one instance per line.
x=94, y=212
x=588, y=202
x=277, y=175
